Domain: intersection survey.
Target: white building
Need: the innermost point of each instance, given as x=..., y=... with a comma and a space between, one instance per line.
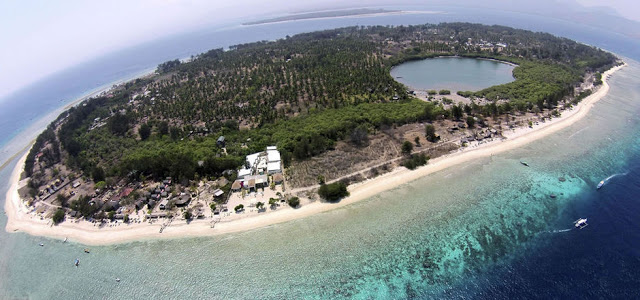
x=252, y=159
x=273, y=160
x=244, y=172
x=274, y=167
x=273, y=155
x=253, y=174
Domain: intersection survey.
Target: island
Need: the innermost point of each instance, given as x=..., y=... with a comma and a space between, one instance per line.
x=266, y=132
x=326, y=14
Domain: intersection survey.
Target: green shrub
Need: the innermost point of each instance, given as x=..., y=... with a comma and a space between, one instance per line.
x=334, y=191
x=407, y=147
x=415, y=161
x=58, y=216
x=294, y=202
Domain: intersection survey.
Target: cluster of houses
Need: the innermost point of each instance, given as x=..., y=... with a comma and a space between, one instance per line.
x=161, y=195
x=480, y=135
x=485, y=45
x=52, y=188
x=260, y=170
x=257, y=169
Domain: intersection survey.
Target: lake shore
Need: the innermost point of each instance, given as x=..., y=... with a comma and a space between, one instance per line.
x=21, y=219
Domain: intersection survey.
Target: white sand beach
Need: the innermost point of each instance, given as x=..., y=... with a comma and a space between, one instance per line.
x=21, y=220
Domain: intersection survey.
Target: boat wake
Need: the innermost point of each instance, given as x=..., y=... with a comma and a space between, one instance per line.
x=578, y=132
x=606, y=180
x=615, y=175
x=560, y=230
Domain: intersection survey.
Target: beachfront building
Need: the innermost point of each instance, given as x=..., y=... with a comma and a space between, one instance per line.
x=164, y=204
x=277, y=178
x=236, y=186
x=244, y=172
x=257, y=168
x=273, y=160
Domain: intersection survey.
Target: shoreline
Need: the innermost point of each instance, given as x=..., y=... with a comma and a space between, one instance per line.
x=42, y=123
x=19, y=219
x=364, y=15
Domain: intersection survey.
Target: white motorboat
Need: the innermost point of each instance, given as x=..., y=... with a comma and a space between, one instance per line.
x=581, y=223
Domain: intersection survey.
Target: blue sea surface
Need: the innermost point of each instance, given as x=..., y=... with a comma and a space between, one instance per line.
x=484, y=229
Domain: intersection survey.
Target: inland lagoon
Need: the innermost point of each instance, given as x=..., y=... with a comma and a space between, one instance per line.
x=453, y=73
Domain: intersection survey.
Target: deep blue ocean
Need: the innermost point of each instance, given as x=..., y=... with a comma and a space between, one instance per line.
x=533, y=253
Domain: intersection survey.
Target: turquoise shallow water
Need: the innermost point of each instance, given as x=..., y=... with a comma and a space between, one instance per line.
x=444, y=235
x=487, y=229
x=453, y=73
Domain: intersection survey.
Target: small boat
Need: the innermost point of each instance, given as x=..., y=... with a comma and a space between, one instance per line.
x=77, y=262
x=600, y=184
x=117, y=279
x=65, y=240
x=86, y=250
x=581, y=223
x=524, y=163
x=41, y=245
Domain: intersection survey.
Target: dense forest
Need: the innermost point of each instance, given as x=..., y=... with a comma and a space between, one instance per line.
x=302, y=93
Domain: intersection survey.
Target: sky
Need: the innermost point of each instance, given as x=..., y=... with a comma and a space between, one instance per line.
x=41, y=37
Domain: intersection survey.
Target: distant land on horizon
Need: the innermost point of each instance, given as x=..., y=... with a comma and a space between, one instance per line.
x=603, y=17
x=324, y=14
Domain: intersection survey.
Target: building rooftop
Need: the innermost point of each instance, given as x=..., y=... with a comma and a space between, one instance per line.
x=243, y=172
x=273, y=155
x=261, y=179
x=236, y=185
x=274, y=166
x=183, y=200
x=278, y=177
x=252, y=158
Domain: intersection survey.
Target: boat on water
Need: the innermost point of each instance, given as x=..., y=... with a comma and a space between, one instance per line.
x=77, y=262
x=581, y=223
x=600, y=184
x=65, y=240
x=117, y=279
x=86, y=250
x=41, y=245
x=524, y=163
